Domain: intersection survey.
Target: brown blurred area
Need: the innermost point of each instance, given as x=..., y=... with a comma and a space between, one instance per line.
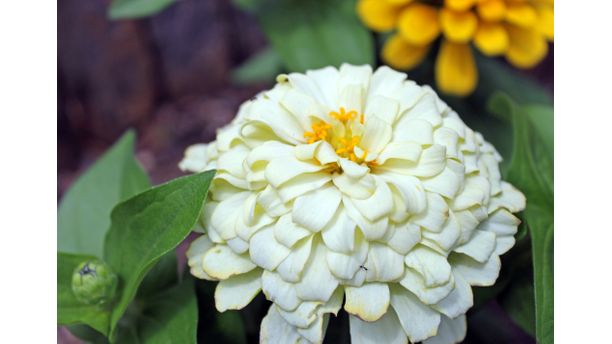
x=167, y=76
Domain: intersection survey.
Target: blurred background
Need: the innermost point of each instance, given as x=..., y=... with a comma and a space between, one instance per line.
x=170, y=77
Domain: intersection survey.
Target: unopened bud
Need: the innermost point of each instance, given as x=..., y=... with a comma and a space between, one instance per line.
x=93, y=282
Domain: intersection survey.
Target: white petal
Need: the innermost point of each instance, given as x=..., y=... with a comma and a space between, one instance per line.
x=468, y=222
x=458, y=301
x=384, y=330
x=287, y=232
x=383, y=264
x=267, y=151
x=434, y=217
x=501, y=222
x=351, y=98
x=510, y=198
x=382, y=107
x=475, y=273
x=414, y=282
x=221, y=262
x=351, y=169
x=479, y=247
x=307, y=151
x=302, y=184
x=476, y=191
x=418, y=131
x=426, y=109
x=281, y=170
x=317, y=282
x=231, y=161
x=503, y=244
x=326, y=154
x=303, y=316
x=384, y=81
x=369, y=302
x=265, y=251
x=195, y=253
x=434, y=267
x=447, y=182
x=339, y=235
x=278, y=291
x=278, y=120
x=326, y=80
x=448, y=236
x=238, y=291
x=409, y=151
x=451, y=331
x=270, y=200
x=238, y=245
x=411, y=190
x=405, y=237
x=316, y=331
x=275, y=330
x=361, y=188
x=301, y=107
x=376, y=134
x=418, y=320
x=196, y=158
x=224, y=218
x=291, y=268
x=449, y=139
x=314, y=210
x=371, y=230
x=431, y=162
x=345, y=265
x=378, y=205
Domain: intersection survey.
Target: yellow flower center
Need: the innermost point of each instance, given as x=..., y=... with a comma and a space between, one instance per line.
x=341, y=136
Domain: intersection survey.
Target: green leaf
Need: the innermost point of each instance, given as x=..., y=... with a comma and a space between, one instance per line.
x=519, y=300
x=69, y=310
x=146, y=227
x=162, y=276
x=531, y=170
x=84, y=213
x=129, y=9
x=169, y=316
x=315, y=34
x=262, y=67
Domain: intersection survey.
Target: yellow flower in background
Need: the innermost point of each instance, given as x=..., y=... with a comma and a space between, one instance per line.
x=516, y=29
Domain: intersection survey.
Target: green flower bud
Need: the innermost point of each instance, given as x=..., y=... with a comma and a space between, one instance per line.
x=93, y=282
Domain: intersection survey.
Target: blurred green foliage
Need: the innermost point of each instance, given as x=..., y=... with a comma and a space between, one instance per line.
x=138, y=246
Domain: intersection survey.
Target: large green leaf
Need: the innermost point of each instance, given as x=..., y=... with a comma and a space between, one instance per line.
x=310, y=34
x=128, y=9
x=262, y=67
x=146, y=227
x=531, y=170
x=169, y=315
x=84, y=213
x=70, y=310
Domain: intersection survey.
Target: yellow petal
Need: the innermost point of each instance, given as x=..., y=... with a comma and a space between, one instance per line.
x=527, y=46
x=492, y=10
x=521, y=14
x=458, y=26
x=378, y=15
x=460, y=5
x=418, y=24
x=398, y=2
x=456, y=72
x=400, y=54
x=546, y=21
x=491, y=38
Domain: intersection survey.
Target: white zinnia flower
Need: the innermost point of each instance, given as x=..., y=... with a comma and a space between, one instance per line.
x=357, y=186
